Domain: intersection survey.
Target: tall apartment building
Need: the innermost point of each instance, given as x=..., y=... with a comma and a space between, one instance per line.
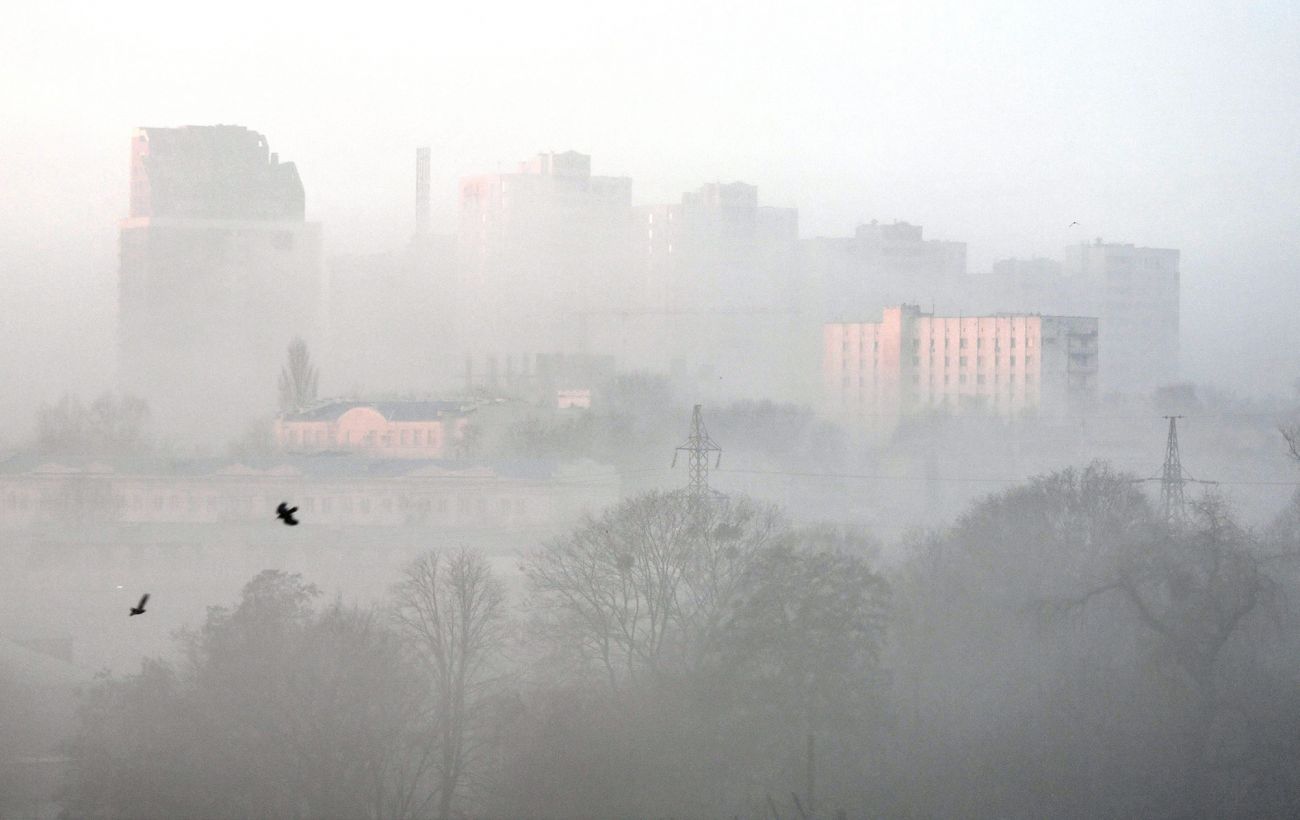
x=218, y=272
x=539, y=249
x=877, y=373
x=880, y=265
x=717, y=250
x=1134, y=292
x=715, y=289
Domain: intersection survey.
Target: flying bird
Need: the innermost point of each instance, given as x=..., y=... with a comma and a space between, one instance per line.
x=1072, y=224
x=138, y=609
x=285, y=514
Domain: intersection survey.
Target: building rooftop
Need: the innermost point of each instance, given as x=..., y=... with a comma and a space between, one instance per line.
x=211, y=172
x=393, y=410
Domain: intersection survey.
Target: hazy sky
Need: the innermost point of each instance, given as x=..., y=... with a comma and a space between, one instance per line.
x=1165, y=124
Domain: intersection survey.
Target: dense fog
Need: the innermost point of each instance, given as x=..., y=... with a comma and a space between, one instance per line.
x=852, y=410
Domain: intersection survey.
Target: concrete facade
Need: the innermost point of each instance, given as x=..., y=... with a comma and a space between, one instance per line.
x=538, y=249
x=392, y=429
x=218, y=272
x=877, y=373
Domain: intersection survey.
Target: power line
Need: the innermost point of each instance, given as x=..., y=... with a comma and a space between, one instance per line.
x=966, y=479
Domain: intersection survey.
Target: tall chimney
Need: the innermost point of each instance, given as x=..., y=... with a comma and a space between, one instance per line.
x=422, y=191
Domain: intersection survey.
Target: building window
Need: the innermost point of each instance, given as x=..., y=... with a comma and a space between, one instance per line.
x=963, y=342
x=1029, y=360
x=1013, y=341
x=979, y=379
x=916, y=361
x=1013, y=361
x=963, y=378
x=961, y=361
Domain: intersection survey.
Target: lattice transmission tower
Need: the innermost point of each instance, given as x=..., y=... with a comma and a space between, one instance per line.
x=1173, y=503
x=699, y=448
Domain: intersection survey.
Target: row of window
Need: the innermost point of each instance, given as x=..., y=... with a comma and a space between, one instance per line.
x=406, y=438
x=947, y=380
x=947, y=362
x=979, y=342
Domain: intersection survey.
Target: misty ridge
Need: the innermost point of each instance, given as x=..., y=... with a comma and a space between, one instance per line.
x=615, y=485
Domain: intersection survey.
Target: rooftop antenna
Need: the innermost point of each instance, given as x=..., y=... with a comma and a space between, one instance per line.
x=698, y=447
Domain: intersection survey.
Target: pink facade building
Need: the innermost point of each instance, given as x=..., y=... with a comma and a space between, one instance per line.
x=876, y=373
x=384, y=429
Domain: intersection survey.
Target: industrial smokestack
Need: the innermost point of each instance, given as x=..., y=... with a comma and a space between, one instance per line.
x=422, y=191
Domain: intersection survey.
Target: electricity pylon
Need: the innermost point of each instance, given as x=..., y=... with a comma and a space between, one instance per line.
x=1172, y=477
x=698, y=447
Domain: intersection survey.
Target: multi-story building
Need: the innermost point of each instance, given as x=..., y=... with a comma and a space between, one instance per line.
x=218, y=272
x=537, y=250
x=715, y=289
x=880, y=265
x=716, y=251
x=910, y=362
x=1134, y=293
x=381, y=429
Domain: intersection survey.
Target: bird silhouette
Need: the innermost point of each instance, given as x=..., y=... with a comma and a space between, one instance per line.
x=1072, y=224
x=138, y=609
x=285, y=514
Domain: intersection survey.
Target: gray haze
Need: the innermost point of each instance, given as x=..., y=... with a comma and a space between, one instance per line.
x=997, y=125
x=650, y=476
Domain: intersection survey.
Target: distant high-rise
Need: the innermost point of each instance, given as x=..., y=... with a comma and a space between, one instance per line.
x=211, y=172
x=218, y=272
x=1134, y=292
x=539, y=249
x=718, y=250
x=716, y=289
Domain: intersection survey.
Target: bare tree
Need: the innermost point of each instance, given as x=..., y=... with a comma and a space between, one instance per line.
x=643, y=587
x=453, y=609
x=297, y=378
x=1194, y=592
x=111, y=426
x=1292, y=435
